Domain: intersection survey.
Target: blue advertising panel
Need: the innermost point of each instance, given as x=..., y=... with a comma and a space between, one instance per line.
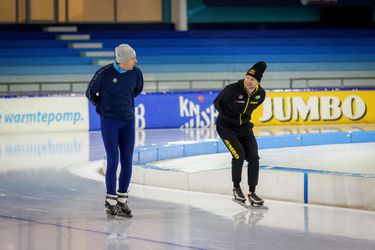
x=176, y=110
x=170, y=110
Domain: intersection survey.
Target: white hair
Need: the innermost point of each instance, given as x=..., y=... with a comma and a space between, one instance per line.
x=124, y=53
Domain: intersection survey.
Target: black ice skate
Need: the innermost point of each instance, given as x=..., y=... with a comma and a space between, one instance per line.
x=238, y=196
x=123, y=209
x=255, y=200
x=110, y=209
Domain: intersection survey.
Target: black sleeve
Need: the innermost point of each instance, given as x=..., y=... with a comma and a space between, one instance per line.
x=139, y=86
x=263, y=97
x=92, y=92
x=221, y=99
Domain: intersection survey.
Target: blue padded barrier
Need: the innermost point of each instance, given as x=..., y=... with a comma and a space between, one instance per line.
x=279, y=141
x=170, y=151
x=147, y=155
x=135, y=156
x=367, y=136
x=201, y=148
x=325, y=138
x=221, y=147
x=154, y=153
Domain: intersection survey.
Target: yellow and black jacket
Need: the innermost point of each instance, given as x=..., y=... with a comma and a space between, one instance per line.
x=235, y=105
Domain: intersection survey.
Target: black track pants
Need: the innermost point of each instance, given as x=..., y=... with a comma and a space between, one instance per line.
x=243, y=146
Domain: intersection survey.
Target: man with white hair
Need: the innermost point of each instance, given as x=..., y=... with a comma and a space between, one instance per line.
x=112, y=90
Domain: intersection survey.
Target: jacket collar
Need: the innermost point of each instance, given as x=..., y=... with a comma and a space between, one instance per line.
x=118, y=68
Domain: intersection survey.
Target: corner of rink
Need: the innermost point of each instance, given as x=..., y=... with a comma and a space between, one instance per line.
x=92, y=170
x=301, y=185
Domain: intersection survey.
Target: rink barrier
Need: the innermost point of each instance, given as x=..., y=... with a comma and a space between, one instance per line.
x=281, y=183
x=146, y=154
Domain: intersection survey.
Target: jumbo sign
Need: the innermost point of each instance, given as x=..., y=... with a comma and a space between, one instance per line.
x=316, y=107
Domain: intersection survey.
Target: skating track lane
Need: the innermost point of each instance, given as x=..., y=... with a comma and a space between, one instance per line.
x=44, y=205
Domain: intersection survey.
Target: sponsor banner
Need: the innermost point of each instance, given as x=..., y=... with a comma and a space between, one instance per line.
x=316, y=107
x=176, y=110
x=196, y=109
x=43, y=114
x=170, y=110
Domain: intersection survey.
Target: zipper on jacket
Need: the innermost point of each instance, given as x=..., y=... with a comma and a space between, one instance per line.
x=247, y=102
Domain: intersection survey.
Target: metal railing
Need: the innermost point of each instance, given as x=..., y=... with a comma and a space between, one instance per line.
x=340, y=79
x=167, y=85
x=149, y=86
x=37, y=88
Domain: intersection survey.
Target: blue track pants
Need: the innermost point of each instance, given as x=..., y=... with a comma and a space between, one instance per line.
x=118, y=137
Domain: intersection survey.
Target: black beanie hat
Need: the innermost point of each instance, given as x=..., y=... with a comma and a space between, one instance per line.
x=257, y=70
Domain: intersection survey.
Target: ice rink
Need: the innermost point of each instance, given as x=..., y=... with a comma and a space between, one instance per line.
x=52, y=197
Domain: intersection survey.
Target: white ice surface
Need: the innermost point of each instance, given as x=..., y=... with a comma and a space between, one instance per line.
x=349, y=158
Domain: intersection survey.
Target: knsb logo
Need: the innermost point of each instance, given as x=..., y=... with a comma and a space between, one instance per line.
x=200, y=119
x=323, y=108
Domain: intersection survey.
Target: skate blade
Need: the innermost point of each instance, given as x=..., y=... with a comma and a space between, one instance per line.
x=109, y=215
x=258, y=206
x=250, y=206
x=241, y=203
x=124, y=215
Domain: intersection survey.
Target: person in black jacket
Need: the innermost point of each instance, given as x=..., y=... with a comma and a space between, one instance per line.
x=235, y=104
x=112, y=90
